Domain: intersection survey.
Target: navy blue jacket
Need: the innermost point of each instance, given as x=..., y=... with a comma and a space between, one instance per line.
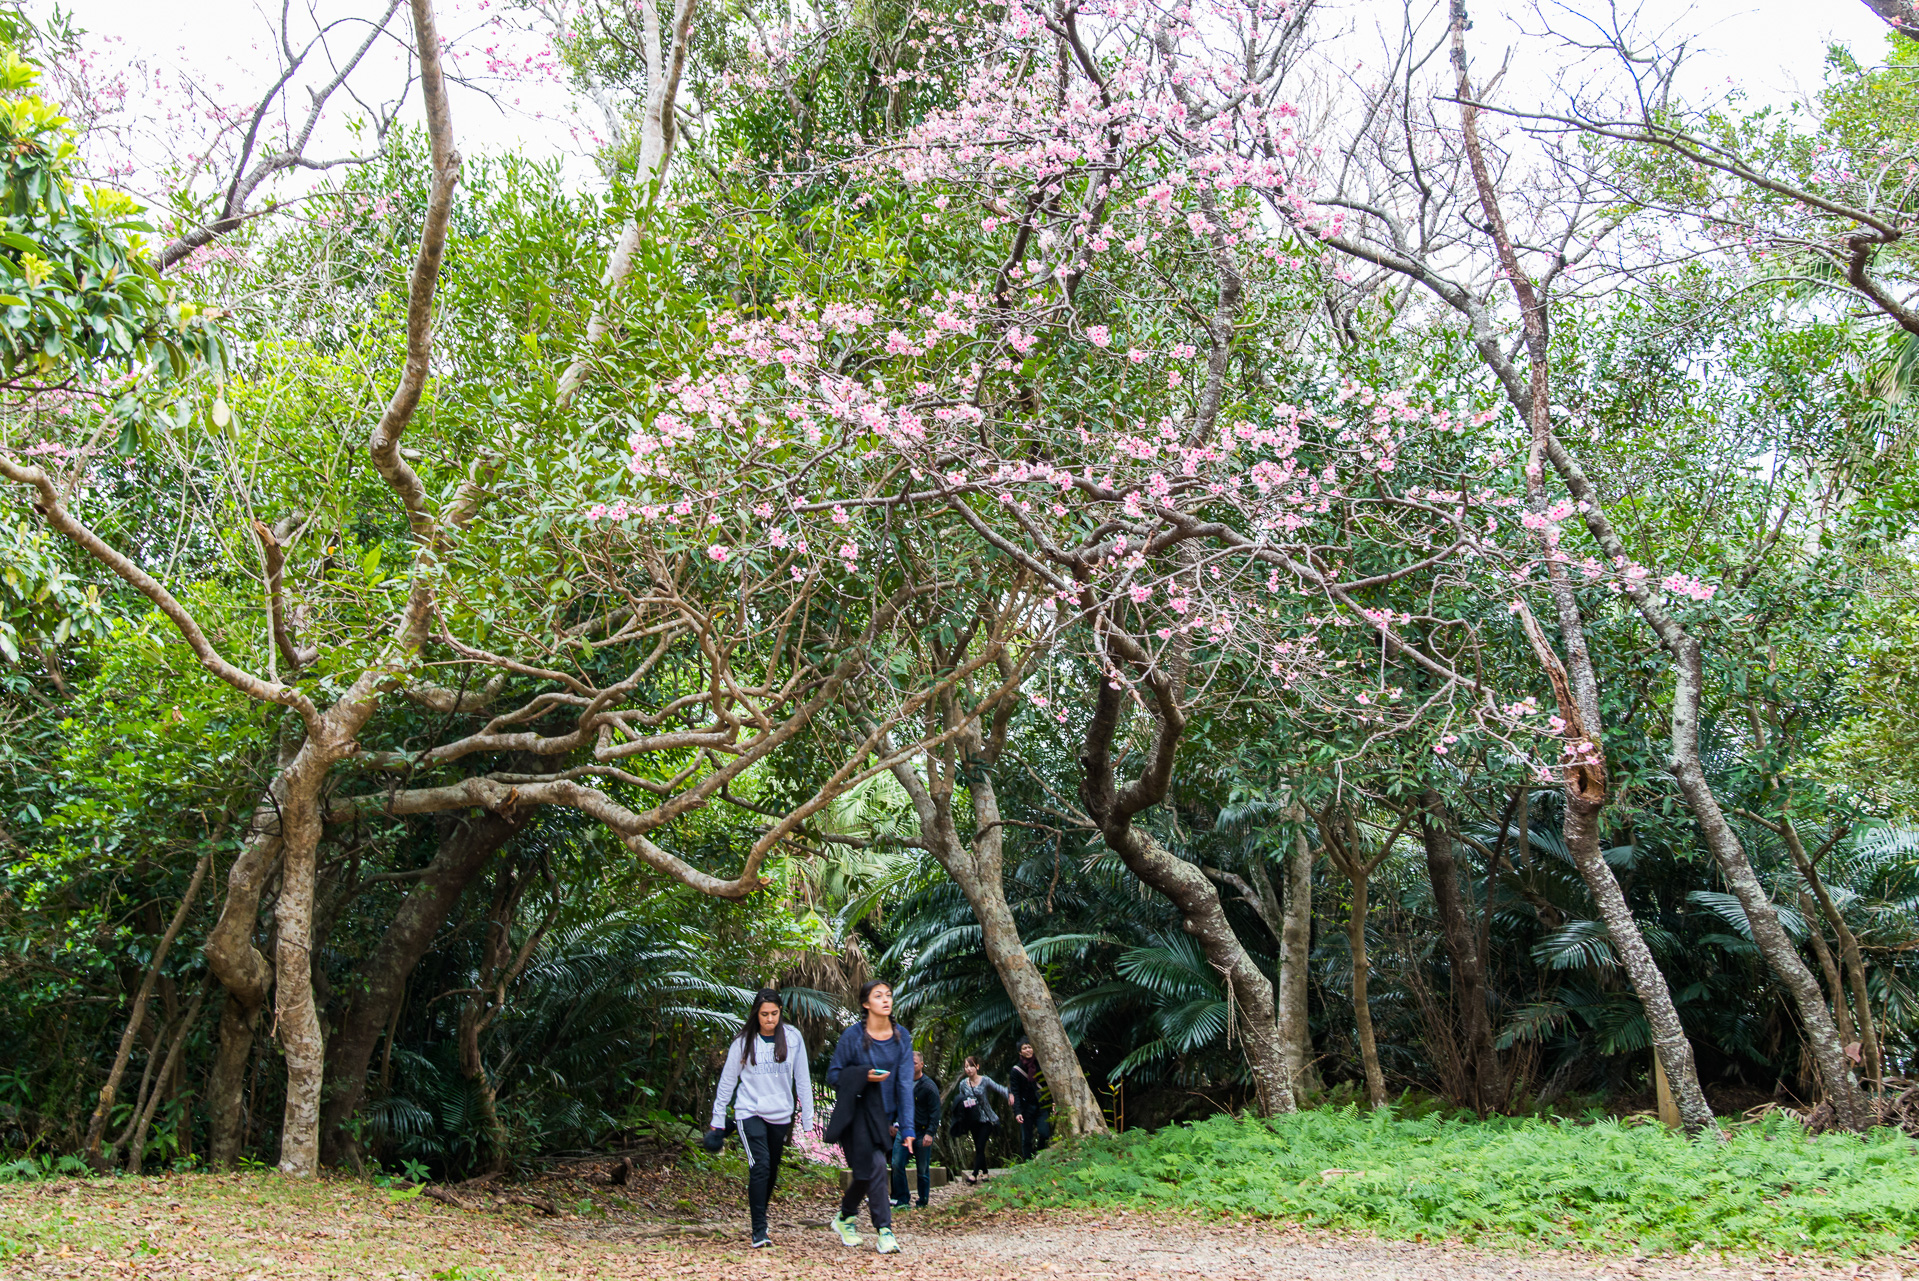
x=855, y=1052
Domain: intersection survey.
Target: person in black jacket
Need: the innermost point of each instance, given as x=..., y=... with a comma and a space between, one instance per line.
x=871, y=1072
x=926, y=1122
x=1029, y=1106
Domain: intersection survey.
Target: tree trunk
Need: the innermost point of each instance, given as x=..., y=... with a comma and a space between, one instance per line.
x=1575, y=683
x=473, y=1067
x=1581, y=830
x=302, y=1040
x=499, y=967
x=1842, y=1088
x=462, y=855
x=1290, y=924
x=1585, y=783
x=1362, y=1008
x=1204, y=917
x=1727, y=851
x=976, y=866
x=97, y=1125
x=245, y=975
x=1462, y=951
x=147, y=1080
x=227, y=1082
x=1849, y=953
x=495, y=953
x=136, y=1149
x=1835, y=986
x=1190, y=891
x=1295, y=953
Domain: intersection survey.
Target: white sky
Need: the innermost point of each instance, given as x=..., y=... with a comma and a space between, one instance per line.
x=1772, y=47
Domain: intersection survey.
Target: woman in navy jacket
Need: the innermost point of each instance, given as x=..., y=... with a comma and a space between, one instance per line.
x=872, y=1075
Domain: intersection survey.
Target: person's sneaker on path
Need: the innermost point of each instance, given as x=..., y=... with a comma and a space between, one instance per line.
x=849, y=1234
x=761, y=1242
x=888, y=1244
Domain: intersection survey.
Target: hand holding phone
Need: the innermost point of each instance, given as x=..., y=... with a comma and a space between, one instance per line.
x=877, y=1074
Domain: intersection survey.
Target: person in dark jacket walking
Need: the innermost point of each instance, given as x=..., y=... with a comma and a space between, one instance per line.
x=926, y=1123
x=1029, y=1108
x=872, y=1072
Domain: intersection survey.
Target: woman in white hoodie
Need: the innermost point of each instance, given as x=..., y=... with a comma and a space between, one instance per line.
x=767, y=1083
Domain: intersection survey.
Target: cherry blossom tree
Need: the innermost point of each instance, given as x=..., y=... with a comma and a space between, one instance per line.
x=1191, y=533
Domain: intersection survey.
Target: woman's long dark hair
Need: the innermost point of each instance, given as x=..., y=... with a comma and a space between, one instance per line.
x=865, y=992
x=750, y=1034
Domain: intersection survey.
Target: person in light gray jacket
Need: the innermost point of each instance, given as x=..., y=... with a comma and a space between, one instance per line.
x=767, y=1082
x=973, y=1112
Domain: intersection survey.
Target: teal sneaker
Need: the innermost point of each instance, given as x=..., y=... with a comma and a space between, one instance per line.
x=849, y=1234
x=887, y=1244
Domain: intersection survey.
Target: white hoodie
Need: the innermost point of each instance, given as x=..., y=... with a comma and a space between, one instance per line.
x=767, y=1087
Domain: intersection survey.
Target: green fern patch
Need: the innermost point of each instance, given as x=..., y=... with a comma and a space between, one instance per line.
x=1769, y=1187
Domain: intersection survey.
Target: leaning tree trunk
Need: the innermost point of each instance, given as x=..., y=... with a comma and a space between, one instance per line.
x=1581, y=831
x=1835, y=1069
x=1190, y=891
x=1585, y=792
x=97, y=1124
x=473, y=1068
x=136, y=1148
x=1203, y=916
x=1362, y=1007
x=1462, y=950
x=1854, y=961
x=461, y=857
x=976, y=866
x=1835, y=986
x=1842, y=1088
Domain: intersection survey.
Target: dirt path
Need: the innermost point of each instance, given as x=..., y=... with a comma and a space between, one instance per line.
x=257, y=1227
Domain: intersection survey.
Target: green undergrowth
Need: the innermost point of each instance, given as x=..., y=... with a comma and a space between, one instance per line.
x=1769, y=1187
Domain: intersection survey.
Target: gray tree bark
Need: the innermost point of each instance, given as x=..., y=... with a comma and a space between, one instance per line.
x=1584, y=769
x=302, y=1040
x=1362, y=1001
x=1835, y=986
x=976, y=863
x=1112, y=809
x=1853, y=959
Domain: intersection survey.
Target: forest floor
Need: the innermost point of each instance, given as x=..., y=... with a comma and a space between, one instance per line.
x=258, y=1227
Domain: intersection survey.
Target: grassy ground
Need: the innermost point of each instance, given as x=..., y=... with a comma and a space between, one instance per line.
x=1769, y=1188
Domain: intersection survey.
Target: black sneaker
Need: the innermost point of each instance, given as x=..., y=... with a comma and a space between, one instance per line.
x=761, y=1242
